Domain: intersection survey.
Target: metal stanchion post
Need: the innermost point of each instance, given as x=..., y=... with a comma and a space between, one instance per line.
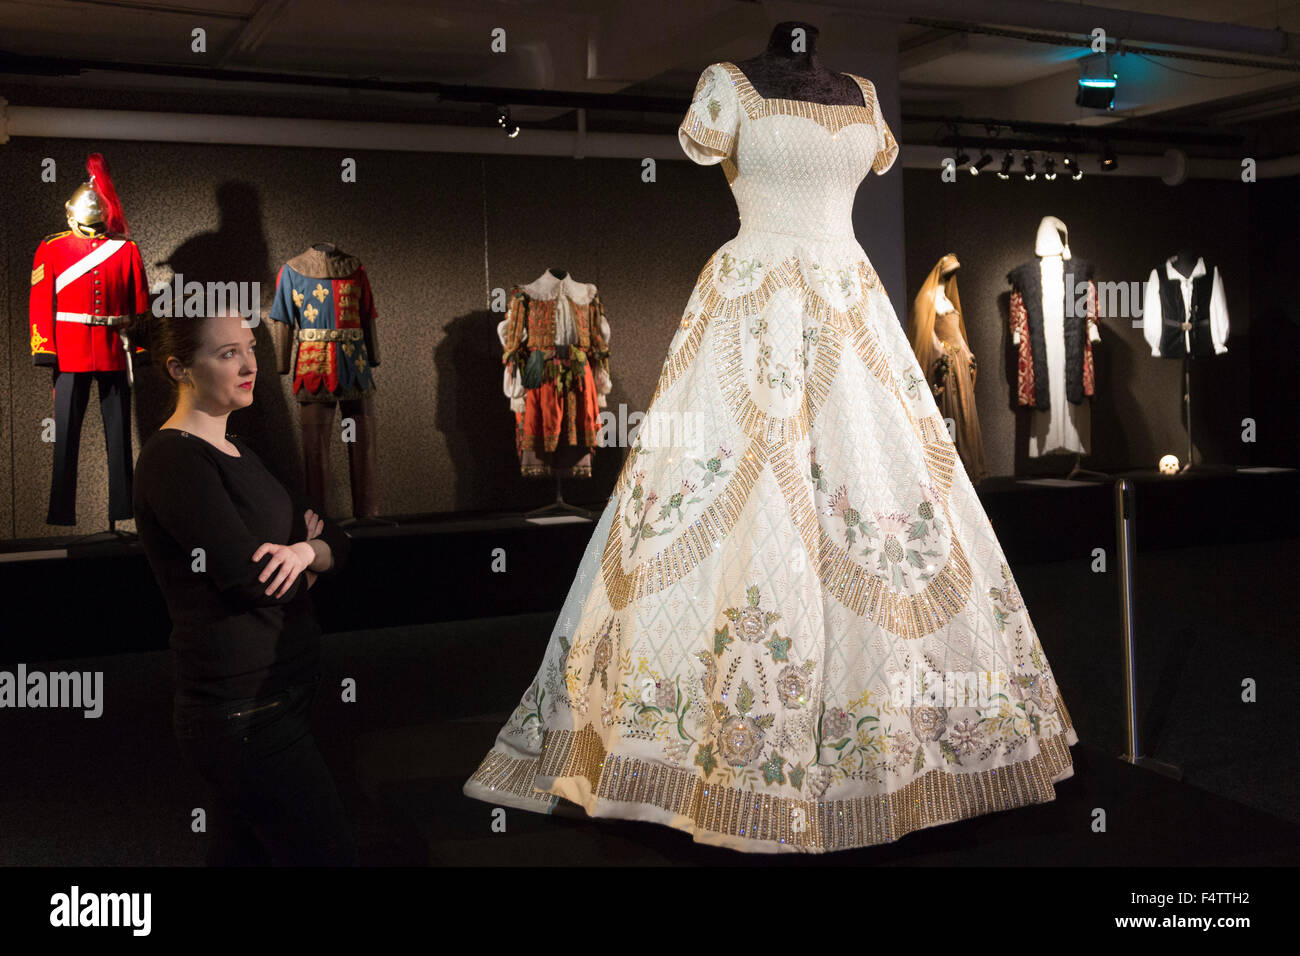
x=1124, y=517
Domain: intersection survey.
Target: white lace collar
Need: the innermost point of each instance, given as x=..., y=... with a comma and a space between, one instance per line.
x=547, y=286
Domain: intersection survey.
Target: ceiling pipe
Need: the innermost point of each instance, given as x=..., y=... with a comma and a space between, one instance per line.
x=225, y=130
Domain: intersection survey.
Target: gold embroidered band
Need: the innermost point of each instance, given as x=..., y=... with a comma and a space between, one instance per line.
x=936, y=797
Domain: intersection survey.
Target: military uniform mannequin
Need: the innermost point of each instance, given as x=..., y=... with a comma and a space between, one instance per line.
x=88, y=287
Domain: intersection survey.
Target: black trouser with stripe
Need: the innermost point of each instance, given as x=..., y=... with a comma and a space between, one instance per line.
x=71, y=393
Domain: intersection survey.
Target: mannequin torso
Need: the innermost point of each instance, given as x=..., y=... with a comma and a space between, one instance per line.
x=780, y=73
x=1185, y=261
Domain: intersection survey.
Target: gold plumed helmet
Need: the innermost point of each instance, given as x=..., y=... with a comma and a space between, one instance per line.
x=94, y=209
x=85, y=212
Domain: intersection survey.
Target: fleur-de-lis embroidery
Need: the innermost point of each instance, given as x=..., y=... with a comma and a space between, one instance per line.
x=298, y=298
x=320, y=292
x=311, y=312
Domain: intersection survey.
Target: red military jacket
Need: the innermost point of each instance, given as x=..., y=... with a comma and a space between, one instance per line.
x=99, y=276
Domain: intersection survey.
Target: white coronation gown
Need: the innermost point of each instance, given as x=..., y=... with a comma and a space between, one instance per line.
x=791, y=535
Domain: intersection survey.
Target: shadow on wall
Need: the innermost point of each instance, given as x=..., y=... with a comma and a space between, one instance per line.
x=236, y=251
x=484, y=461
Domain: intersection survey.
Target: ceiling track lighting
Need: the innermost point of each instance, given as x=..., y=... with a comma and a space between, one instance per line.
x=1046, y=163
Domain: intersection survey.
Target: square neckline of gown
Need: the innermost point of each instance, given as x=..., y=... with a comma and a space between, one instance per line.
x=783, y=99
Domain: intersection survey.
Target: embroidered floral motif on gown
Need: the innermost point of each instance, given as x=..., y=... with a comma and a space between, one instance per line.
x=791, y=528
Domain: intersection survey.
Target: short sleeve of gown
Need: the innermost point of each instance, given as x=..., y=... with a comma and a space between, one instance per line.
x=888, y=148
x=708, y=132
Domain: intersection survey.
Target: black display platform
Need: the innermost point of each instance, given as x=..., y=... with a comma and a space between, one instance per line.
x=440, y=567
x=102, y=598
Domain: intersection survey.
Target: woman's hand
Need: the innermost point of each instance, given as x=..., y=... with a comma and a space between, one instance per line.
x=315, y=525
x=287, y=562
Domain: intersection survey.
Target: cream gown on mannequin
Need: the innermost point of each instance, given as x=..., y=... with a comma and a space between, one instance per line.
x=793, y=538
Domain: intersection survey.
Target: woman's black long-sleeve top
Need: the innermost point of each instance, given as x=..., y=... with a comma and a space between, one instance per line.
x=201, y=514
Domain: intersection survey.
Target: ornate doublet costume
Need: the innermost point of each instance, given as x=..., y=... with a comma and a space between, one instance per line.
x=557, y=325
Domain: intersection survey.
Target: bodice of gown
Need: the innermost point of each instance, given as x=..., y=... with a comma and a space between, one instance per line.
x=946, y=321
x=948, y=329
x=793, y=168
x=799, y=178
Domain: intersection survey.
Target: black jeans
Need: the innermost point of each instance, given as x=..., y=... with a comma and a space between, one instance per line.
x=273, y=798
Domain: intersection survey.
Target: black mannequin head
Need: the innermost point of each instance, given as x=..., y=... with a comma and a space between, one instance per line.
x=783, y=39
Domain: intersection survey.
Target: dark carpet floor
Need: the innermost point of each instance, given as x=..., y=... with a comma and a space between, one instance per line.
x=113, y=791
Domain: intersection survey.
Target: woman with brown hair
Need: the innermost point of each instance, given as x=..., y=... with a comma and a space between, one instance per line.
x=235, y=555
x=937, y=332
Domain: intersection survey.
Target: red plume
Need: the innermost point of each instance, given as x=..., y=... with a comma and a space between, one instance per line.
x=102, y=182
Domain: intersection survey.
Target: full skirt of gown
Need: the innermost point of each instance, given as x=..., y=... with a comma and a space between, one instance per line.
x=793, y=629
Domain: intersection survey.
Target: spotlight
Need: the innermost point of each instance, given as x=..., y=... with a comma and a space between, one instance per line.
x=960, y=158
x=980, y=163
x=1005, y=171
x=1109, y=161
x=1030, y=175
x=1096, y=83
x=1049, y=168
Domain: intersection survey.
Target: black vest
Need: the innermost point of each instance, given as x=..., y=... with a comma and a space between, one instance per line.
x=1171, y=315
x=1028, y=278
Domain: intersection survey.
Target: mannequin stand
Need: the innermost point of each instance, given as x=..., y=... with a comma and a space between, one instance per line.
x=104, y=537
x=367, y=523
x=1188, y=464
x=560, y=506
x=1077, y=471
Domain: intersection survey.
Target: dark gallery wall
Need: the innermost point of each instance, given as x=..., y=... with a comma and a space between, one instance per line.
x=438, y=232
x=1275, y=356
